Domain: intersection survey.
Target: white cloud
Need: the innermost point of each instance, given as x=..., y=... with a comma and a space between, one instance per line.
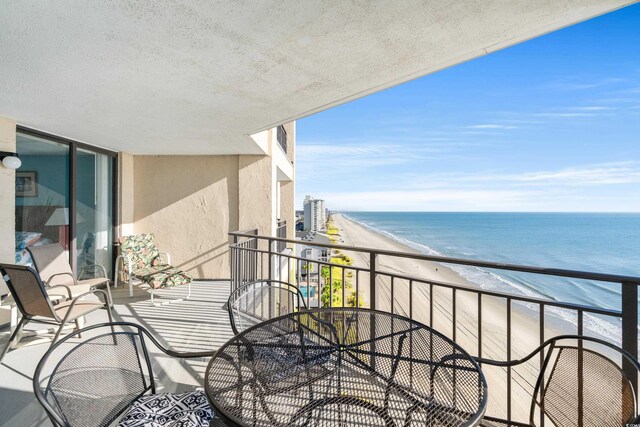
x=602, y=174
x=430, y=200
x=554, y=115
x=492, y=126
x=594, y=108
x=577, y=188
x=572, y=83
x=319, y=161
x=584, y=175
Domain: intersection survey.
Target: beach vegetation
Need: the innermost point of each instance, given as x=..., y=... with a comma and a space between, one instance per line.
x=336, y=273
x=332, y=295
x=337, y=276
x=355, y=300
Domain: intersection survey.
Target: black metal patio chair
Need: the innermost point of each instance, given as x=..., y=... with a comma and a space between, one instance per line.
x=577, y=386
x=263, y=300
x=256, y=302
x=95, y=380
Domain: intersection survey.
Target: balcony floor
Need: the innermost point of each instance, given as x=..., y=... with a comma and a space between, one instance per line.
x=198, y=324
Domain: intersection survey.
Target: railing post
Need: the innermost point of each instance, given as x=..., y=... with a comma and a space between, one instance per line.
x=270, y=259
x=372, y=300
x=233, y=266
x=372, y=279
x=630, y=327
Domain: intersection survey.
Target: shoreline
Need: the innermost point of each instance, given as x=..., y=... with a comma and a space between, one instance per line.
x=524, y=321
x=369, y=237
x=356, y=234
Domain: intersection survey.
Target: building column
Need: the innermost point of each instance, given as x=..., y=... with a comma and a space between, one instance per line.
x=256, y=194
x=7, y=209
x=7, y=193
x=287, y=207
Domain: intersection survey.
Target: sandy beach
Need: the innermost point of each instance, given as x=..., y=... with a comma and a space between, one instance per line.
x=524, y=325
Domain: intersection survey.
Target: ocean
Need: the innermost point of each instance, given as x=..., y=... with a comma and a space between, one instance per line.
x=595, y=242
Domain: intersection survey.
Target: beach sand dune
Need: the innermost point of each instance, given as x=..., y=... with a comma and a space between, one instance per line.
x=434, y=305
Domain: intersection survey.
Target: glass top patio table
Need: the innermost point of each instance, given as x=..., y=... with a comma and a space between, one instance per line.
x=346, y=367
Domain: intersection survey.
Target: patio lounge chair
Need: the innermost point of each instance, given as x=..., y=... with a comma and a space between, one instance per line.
x=31, y=297
x=143, y=261
x=578, y=386
x=95, y=380
x=53, y=265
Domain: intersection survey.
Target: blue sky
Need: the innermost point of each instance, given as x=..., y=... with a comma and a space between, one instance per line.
x=552, y=124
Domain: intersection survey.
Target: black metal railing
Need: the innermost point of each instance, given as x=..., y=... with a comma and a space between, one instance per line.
x=436, y=304
x=282, y=138
x=244, y=265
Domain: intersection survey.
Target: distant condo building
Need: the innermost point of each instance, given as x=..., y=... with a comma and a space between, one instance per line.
x=315, y=215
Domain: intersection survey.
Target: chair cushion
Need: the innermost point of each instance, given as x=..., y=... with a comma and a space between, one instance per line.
x=169, y=410
x=141, y=250
x=162, y=276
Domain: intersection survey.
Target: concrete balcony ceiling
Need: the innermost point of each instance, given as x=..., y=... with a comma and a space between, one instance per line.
x=165, y=77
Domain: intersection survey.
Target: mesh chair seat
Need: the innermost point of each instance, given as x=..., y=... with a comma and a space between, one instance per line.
x=85, y=285
x=79, y=309
x=35, y=305
x=578, y=386
x=169, y=410
x=52, y=263
x=92, y=377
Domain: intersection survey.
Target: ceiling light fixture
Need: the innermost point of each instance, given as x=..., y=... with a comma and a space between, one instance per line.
x=10, y=160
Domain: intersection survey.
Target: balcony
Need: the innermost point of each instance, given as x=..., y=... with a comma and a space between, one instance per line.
x=486, y=323
x=469, y=316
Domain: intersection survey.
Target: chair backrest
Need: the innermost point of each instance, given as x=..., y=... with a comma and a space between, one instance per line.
x=141, y=249
x=258, y=301
x=49, y=260
x=582, y=387
x=28, y=291
x=93, y=381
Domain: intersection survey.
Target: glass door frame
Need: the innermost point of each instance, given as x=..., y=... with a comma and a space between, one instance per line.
x=73, y=161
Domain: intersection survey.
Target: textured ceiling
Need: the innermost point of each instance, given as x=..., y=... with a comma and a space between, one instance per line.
x=168, y=77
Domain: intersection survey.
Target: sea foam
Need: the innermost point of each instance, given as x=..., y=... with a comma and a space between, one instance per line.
x=488, y=280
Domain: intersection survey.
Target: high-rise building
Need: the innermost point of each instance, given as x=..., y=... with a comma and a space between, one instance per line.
x=315, y=216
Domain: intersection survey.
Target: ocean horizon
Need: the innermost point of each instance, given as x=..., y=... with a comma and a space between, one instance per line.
x=594, y=242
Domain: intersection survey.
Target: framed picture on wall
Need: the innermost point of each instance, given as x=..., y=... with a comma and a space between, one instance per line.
x=26, y=184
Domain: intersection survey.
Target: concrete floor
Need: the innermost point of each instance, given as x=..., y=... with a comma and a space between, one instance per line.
x=198, y=324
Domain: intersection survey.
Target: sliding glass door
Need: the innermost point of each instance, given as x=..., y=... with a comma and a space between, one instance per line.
x=65, y=195
x=94, y=209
